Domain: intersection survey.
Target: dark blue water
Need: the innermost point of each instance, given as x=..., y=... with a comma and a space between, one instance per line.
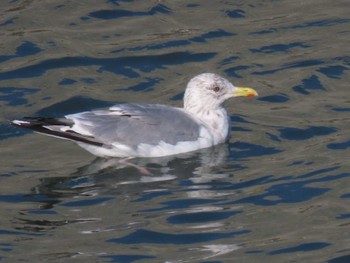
x=276, y=192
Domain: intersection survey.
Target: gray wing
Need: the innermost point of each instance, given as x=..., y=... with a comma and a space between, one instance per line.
x=133, y=124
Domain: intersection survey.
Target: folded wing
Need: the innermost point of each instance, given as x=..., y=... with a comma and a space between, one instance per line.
x=124, y=124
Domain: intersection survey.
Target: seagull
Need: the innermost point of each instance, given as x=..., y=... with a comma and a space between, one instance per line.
x=150, y=130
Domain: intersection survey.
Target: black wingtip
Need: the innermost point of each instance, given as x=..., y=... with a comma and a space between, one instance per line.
x=21, y=123
x=28, y=122
x=42, y=124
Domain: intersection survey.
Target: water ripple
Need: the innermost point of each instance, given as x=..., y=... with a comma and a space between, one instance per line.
x=122, y=65
x=153, y=237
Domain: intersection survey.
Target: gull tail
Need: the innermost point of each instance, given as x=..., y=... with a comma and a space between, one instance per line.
x=60, y=128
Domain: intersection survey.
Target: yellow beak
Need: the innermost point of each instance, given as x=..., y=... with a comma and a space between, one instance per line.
x=245, y=92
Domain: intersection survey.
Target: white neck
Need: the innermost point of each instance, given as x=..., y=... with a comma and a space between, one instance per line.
x=216, y=120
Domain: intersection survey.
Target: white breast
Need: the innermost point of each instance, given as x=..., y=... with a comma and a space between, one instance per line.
x=217, y=124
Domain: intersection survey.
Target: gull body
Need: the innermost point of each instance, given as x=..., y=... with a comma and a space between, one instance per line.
x=150, y=130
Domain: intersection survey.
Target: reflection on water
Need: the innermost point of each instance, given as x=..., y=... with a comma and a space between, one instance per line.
x=277, y=192
x=110, y=177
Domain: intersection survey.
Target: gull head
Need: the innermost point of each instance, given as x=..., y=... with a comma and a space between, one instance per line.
x=208, y=91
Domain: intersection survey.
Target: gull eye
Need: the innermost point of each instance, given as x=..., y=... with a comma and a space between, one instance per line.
x=216, y=88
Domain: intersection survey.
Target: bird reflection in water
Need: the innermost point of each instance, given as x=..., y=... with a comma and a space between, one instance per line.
x=108, y=175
